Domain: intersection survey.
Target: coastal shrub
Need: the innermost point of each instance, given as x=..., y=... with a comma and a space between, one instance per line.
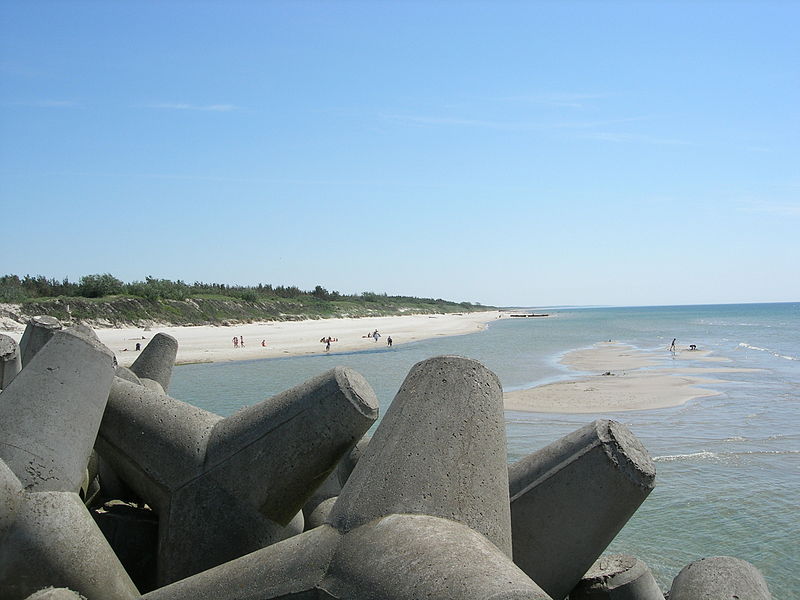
x=11, y=289
x=105, y=298
x=323, y=294
x=249, y=296
x=159, y=289
x=288, y=292
x=370, y=297
x=16, y=289
x=98, y=286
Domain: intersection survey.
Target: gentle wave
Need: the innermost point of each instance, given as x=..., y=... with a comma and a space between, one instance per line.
x=776, y=354
x=672, y=457
x=712, y=455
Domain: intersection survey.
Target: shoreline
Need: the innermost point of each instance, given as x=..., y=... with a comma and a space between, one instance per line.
x=210, y=344
x=608, y=377
x=624, y=379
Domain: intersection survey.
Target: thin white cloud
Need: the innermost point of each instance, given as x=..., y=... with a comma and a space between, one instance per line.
x=197, y=107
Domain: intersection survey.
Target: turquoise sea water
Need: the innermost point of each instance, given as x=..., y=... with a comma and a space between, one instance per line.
x=728, y=479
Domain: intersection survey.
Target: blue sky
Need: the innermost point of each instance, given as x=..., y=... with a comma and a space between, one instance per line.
x=508, y=153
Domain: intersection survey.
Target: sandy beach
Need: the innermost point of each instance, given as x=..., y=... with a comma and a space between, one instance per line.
x=290, y=338
x=609, y=377
x=623, y=378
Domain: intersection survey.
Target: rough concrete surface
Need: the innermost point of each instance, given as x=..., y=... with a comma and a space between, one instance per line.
x=51, y=411
x=617, y=577
x=37, y=333
x=10, y=361
x=719, y=578
x=570, y=499
x=244, y=477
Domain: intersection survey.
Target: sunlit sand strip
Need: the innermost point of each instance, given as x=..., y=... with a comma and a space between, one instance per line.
x=294, y=338
x=622, y=382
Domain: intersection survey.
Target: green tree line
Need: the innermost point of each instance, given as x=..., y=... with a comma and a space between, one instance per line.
x=16, y=289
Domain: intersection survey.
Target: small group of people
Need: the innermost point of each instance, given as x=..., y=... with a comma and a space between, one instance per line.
x=238, y=342
x=673, y=348
x=375, y=335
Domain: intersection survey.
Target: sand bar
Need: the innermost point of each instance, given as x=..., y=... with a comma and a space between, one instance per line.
x=290, y=338
x=624, y=378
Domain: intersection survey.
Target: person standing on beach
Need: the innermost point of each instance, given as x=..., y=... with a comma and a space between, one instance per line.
x=235, y=342
x=241, y=341
x=389, y=341
x=375, y=335
x=672, y=345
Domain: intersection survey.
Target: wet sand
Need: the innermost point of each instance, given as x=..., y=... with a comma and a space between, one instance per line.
x=624, y=378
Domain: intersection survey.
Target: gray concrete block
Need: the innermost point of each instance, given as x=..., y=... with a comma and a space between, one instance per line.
x=245, y=477
x=11, y=496
x=440, y=450
x=54, y=542
x=349, y=460
x=327, y=491
x=571, y=498
x=617, y=577
x=318, y=506
x=297, y=525
x=152, y=385
x=717, y=578
x=397, y=555
x=291, y=570
x=37, y=333
x=407, y=557
x=320, y=513
x=51, y=411
x=126, y=374
x=83, y=330
x=157, y=359
x=52, y=593
x=303, y=432
x=10, y=361
x=153, y=442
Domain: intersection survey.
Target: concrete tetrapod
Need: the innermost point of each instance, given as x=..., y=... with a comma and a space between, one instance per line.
x=570, y=499
x=719, y=578
x=37, y=333
x=157, y=359
x=51, y=411
x=424, y=514
x=54, y=541
x=49, y=416
x=10, y=362
x=226, y=487
x=55, y=594
x=318, y=507
x=617, y=577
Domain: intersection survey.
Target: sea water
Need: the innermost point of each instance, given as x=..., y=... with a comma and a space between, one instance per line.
x=728, y=466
